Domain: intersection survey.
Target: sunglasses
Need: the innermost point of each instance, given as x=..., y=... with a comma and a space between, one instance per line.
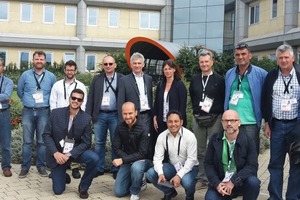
x=108, y=64
x=78, y=99
x=241, y=46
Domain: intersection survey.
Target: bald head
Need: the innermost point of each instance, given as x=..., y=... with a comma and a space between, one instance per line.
x=231, y=122
x=129, y=113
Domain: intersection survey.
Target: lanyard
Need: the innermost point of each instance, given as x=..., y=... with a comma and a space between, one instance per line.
x=204, y=84
x=178, y=149
x=110, y=84
x=286, y=85
x=38, y=82
x=1, y=83
x=65, y=90
x=240, y=79
x=230, y=153
x=145, y=88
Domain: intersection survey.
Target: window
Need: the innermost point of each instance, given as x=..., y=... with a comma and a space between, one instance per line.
x=92, y=16
x=113, y=18
x=69, y=56
x=3, y=56
x=254, y=14
x=149, y=20
x=274, y=8
x=48, y=15
x=4, y=11
x=90, y=62
x=24, y=59
x=26, y=12
x=272, y=57
x=70, y=15
x=232, y=21
x=48, y=59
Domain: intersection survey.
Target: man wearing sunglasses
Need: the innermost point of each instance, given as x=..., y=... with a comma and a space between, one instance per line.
x=231, y=162
x=60, y=94
x=102, y=106
x=243, y=86
x=67, y=137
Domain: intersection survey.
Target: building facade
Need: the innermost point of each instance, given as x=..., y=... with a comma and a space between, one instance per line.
x=81, y=30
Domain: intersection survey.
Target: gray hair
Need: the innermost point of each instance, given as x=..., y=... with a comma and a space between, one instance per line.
x=283, y=48
x=205, y=52
x=136, y=56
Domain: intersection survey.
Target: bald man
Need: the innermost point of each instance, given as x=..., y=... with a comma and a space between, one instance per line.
x=131, y=145
x=231, y=162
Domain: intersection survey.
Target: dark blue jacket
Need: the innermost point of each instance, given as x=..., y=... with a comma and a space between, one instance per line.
x=244, y=154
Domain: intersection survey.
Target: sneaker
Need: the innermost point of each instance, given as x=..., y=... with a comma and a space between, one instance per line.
x=23, y=173
x=75, y=173
x=135, y=197
x=43, y=172
x=144, y=183
x=83, y=194
x=168, y=197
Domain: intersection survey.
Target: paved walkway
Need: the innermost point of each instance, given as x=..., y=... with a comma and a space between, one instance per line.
x=34, y=187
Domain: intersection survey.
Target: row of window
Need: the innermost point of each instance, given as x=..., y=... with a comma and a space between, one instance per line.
x=147, y=20
x=254, y=11
x=25, y=58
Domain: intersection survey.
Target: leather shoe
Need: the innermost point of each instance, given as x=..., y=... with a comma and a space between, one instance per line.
x=75, y=173
x=115, y=174
x=7, y=173
x=169, y=197
x=68, y=178
x=83, y=194
x=99, y=174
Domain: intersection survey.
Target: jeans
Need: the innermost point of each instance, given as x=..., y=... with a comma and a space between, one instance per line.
x=5, y=135
x=130, y=177
x=105, y=121
x=253, y=132
x=202, y=135
x=188, y=181
x=89, y=158
x=33, y=121
x=281, y=137
x=249, y=191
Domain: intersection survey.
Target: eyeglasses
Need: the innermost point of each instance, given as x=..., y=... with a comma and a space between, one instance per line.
x=75, y=98
x=241, y=46
x=108, y=64
x=230, y=120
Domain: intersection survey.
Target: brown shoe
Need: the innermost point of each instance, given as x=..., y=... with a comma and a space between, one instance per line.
x=7, y=173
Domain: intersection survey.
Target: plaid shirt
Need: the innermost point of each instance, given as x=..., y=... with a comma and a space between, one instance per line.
x=279, y=94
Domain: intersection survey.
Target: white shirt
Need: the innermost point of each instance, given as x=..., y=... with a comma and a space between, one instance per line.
x=57, y=96
x=187, y=153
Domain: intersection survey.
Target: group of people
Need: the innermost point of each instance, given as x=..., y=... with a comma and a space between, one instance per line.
x=148, y=134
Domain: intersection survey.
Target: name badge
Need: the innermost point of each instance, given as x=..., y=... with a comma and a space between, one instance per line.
x=68, y=146
x=235, y=97
x=286, y=105
x=38, y=96
x=105, y=101
x=144, y=103
x=0, y=105
x=207, y=104
x=228, y=176
x=178, y=166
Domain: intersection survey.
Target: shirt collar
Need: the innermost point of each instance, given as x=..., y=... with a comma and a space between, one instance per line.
x=136, y=76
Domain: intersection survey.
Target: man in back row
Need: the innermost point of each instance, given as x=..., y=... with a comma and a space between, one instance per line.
x=60, y=98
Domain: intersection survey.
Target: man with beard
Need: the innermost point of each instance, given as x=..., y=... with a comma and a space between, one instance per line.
x=68, y=137
x=231, y=162
x=131, y=145
x=60, y=98
x=34, y=87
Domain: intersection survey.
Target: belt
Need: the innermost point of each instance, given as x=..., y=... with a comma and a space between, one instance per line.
x=145, y=112
x=4, y=109
x=108, y=111
x=285, y=120
x=37, y=108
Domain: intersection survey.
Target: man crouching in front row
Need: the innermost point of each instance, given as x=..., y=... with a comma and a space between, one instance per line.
x=67, y=137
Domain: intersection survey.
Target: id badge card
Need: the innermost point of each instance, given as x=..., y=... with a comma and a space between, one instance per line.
x=0, y=105
x=178, y=166
x=105, y=101
x=144, y=103
x=207, y=104
x=235, y=97
x=228, y=176
x=68, y=146
x=286, y=105
x=38, y=96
